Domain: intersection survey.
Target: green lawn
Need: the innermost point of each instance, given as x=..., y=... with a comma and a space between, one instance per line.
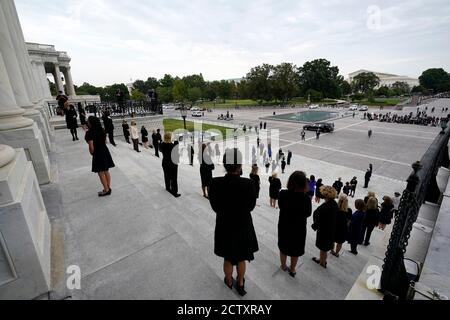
x=381, y=102
x=251, y=103
x=174, y=124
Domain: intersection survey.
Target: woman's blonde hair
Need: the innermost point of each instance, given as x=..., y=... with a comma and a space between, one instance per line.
x=343, y=203
x=274, y=175
x=328, y=192
x=372, y=203
x=255, y=169
x=371, y=194
x=133, y=123
x=168, y=137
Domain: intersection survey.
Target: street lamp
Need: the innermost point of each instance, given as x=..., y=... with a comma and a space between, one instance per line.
x=183, y=112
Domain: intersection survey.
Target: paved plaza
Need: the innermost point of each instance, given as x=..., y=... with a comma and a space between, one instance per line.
x=142, y=243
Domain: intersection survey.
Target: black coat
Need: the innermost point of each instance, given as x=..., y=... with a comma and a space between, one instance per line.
x=386, y=213
x=325, y=224
x=275, y=187
x=108, y=123
x=257, y=182
x=356, y=226
x=144, y=134
x=170, y=156
x=318, y=193
x=71, y=118
x=126, y=130
x=295, y=208
x=343, y=220
x=372, y=218
x=233, y=199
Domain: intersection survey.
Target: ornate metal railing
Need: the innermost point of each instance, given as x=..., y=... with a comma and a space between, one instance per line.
x=421, y=187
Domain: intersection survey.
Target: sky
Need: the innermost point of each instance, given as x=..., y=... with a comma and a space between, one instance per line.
x=114, y=41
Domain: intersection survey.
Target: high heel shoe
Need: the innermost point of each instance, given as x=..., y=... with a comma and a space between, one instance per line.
x=241, y=289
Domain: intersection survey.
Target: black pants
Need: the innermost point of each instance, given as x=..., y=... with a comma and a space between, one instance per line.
x=368, y=232
x=354, y=247
x=366, y=183
x=127, y=137
x=136, y=144
x=171, y=178
x=111, y=138
x=191, y=159
x=74, y=133
x=156, y=145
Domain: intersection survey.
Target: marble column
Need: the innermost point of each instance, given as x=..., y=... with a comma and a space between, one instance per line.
x=25, y=229
x=18, y=131
x=45, y=84
x=28, y=97
x=58, y=81
x=69, y=82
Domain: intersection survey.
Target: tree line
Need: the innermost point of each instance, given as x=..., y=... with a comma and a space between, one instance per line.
x=315, y=80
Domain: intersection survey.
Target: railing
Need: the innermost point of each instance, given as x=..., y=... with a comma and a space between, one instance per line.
x=421, y=187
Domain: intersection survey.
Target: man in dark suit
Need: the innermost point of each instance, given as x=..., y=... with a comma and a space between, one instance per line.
x=109, y=127
x=368, y=176
x=156, y=139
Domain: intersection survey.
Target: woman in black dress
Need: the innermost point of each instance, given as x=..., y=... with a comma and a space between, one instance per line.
x=343, y=219
x=386, y=213
x=295, y=208
x=71, y=120
x=126, y=131
x=319, y=195
x=325, y=224
x=274, y=189
x=233, y=199
x=371, y=219
x=101, y=158
x=144, y=134
x=256, y=180
x=82, y=114
x=206, y=168
x=170, y=164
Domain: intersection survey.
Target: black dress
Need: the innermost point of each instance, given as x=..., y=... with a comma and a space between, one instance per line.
x=275, y=187
x=295, y=208
x=101, y=159
x=325, y=224
x=144, y=134
x=343, y=220
x=170, y=166
x=206, y=168
x=233, y=199
x=257, y=182
x=386, y=214
x=318, y=193
x=71, y=119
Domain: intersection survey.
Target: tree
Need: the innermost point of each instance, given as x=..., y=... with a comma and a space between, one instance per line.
x=400, y=88
x=165, y=94
x=419, y=89
x=314, y=95
x=346, y=88
x=437, y=80
x=383, y=91
x=365, y=82
x=320, y=76
x=180, y=91
x=284, y=82
x=259, y=83
x=242, y=89
x=109, y=92
x=140, y=85
x=151, y=83
x=225, y=89
x=137, y=95
x=194, y=94
x=167, y=81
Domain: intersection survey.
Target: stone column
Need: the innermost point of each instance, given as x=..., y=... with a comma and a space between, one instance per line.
x=19, y=65
x=69, y=83
x=24, y=229
x=57, y=76
x=45, y=84
x=16, y=130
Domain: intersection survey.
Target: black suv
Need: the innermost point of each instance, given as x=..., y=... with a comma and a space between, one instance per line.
x=321, y=126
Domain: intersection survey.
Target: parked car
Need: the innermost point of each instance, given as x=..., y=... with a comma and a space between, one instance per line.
x=197, y=113
x=313, y=106
x=353, y=107
x=321, y=126
x=195, y=109
x=363, y=108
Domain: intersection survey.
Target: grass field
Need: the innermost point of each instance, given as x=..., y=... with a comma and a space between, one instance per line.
x=174, y=124
x=253, y=103
x=381, y=102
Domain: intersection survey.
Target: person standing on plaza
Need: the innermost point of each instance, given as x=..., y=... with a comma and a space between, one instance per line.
x=169, y=151
x=261, y=125
x=258, y=142
x=109, y=127
x=386, y=213
x=82, y=114
x=356, y=225
x=156, y=139
x=295, y=209
x=191, y=153
x=289, y=157
x=254, y=176
x=338, y=185
x=62, y=99
x=144, y=134
x=126, y=131
x=325, y=224
x=274, y=189
x=283, y=164
x=347, y=189
x=233, y=199
x=101, y=158
x=367, y=177
x=71, y=120
x=343, y=218
x=303, y=135
x=353, y=185
x=311, y=186
x=318, y=134
x=265, y=125
x=267, y=165
x=371, y=220
x=134, y=136
x=319, y=195
x=370, y=133
x=206, y=169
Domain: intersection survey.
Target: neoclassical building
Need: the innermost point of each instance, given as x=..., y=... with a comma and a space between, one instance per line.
x=386, y=79
x=25, y=140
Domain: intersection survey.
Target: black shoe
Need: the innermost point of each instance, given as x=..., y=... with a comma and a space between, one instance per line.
x=77, y=138
x=354, y=252
x=292, y=274
x=367, y=244
x=73, y=139
x=241, y=289
x=177, y=195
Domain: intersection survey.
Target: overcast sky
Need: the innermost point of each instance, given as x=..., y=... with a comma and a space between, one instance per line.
x=113, y=41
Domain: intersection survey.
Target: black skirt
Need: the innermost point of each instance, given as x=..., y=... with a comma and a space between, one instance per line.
x=206, y=176
x=102, y=160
